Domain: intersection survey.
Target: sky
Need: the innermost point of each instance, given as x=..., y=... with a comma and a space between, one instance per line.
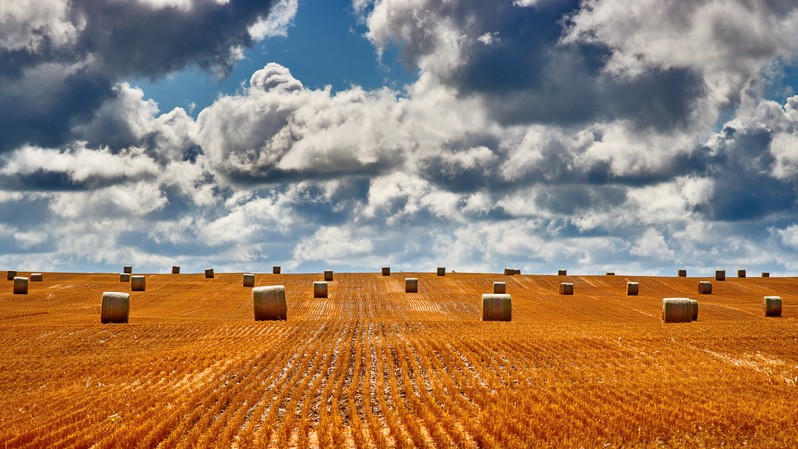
x=597, y=135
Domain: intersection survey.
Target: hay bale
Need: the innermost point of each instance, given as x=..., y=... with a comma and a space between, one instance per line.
x=517, y=271
x=175, y=269
x=411, y=285
x=386, y=271
x=609, y=273
x=740, y=273
x=765, y=274
x=276, y=269
x=249, y=280
x=115, y=307
x=319, y=289
x=499, y=287
x=124, y=277
x=138, y=283
x=682, y=273
x=509, y=271
x=693, y=310
x=20, y=285
x=566, y=288
x=36, y=277
x=11, y=275
x=676, y=310
x=441, y=271
x=632, y=289
x=720, y=275
x=497, y=307
x=269, y=303
x=328, y=275
x=772, y=305
x=127, y=269
x=562, y=272
x=209, y=273
x=704, y=287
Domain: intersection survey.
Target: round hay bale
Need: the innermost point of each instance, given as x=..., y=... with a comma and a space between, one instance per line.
x=20, y=285
x=36, y=277
x=509, y=271
x=676, y=310
x=765, y=274
x=740, y=273
x=497, y=307
x=632, y=289
x=499, y=287
x=124, y=277
x=328, y=275
x=115, y=307
x=209, y=273
x=562, y=272
x=609, y=273
x=682, y=273
x=319, y=289
x=10, y=275
x=693, y=310
x=720, y=275
x=175, y=269
x=276, y=269
x=269, y=303
x=517, y=271
x=138, y=283
x=566, y=288
x=249, y=280
x=704, y=287
x=772, y=305
x=411, y=285
x=441, y=271
x=386, y=271
x=127, y=269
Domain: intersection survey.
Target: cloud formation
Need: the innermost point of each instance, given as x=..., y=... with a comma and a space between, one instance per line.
x=538, y=134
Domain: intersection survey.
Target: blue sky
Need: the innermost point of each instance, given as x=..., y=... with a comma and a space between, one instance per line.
x=536, y=134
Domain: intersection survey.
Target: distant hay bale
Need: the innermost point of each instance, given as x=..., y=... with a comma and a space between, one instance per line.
x=138, y=283
x=765, y=274
x=562, y=272
x=704, y=287
x=499, y=287
x=328, y=275
x=36, y=277
x=20, y=285
x=269, y=303
x=720, y=275
x=175, y=269
x=386, y=271
x=115, y=307
x=693, y=310
x=441, y=271
x=509, y=271
x=566, y=288
x=517, y=271
x=740, y=273
x=127, y=269
x=249, y=280
x=124, y=277
x=276, y=269
x=497, y=307
x=11, y=275
x=609, y=273
x=319, y=289
x=209, y=273
x=682, y=273
x=677, y=310
x=772, y=305
x=411, y=285
x=632, y=289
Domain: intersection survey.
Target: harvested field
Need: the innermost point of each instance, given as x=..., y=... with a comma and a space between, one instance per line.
x=373, y=366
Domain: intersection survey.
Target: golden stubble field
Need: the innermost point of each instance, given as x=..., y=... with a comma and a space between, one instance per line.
x=372, y=366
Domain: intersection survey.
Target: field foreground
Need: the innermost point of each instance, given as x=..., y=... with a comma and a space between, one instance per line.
x=372, y=366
